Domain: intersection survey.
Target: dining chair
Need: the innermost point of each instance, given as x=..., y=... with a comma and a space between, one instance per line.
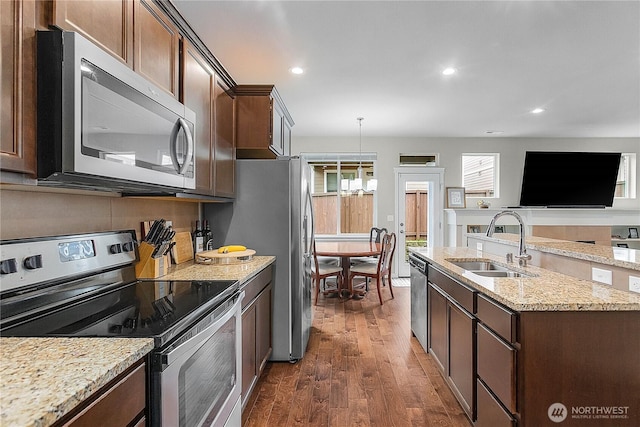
x=321, y=272
x=375, y=236
x=380, y=270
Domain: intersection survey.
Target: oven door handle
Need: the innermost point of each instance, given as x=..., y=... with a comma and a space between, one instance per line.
x=170, y=355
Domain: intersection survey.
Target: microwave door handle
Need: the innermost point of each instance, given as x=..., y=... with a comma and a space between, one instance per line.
x=173, y=148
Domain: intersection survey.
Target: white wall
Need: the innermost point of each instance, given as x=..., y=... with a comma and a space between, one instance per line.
x=450, y=149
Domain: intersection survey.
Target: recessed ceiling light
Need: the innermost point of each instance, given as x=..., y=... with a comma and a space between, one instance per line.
x=537, y=110
x=297, y=70
x=449, y=71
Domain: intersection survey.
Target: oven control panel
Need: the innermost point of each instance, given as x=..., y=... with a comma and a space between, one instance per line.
x=27, y=262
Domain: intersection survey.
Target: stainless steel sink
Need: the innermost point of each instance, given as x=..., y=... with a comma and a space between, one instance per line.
x=487, y=268
x=499, y=273
x=477, y=265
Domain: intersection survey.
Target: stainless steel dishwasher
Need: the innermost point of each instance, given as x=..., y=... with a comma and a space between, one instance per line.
x=418, y=268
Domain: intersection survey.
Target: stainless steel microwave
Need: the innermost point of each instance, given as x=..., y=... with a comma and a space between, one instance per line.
x=103, y=126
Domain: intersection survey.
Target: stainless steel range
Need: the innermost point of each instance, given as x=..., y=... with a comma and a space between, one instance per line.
x=85, y=285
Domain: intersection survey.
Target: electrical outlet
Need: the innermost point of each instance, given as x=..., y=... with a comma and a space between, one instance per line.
x=634, y=284
x=601, y=275
x=390, y=218
x=479, y=246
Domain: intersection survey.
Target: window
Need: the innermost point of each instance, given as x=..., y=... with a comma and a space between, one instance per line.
x=336, y=209
x=625, y=185
x=480, y=174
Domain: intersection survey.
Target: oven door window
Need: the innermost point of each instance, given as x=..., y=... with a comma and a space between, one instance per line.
x=208, y=377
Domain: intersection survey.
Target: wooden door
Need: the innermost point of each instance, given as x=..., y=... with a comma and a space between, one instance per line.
x=198, y=86
x=224, y=143
x=157, y=50
x=18, y=87
x=109, y=24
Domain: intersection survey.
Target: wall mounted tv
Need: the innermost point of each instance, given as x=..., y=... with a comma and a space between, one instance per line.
x=569, y=179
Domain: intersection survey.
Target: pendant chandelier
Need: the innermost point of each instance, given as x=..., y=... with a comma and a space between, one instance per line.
x=356, y=185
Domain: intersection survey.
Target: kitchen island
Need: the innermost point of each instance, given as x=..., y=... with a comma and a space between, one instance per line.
x=532, y=350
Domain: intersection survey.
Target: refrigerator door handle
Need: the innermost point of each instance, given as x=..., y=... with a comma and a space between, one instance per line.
x=313, y=231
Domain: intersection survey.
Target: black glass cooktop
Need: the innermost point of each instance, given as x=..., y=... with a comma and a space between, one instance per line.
x=158, y=309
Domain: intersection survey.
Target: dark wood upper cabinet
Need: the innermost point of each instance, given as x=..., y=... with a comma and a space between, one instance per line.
x=224, y=146
x=18, y=87
x=109, y=24
x=263, y=123
x=198, y=84
x=156, y=45
x=208, y=96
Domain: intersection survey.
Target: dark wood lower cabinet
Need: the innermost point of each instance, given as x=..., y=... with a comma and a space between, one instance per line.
x=121, y=403
x=490, y=411
x=462, y=361
x=452, y=345
x=534, y=368
x=256, y=329
x=438, y=327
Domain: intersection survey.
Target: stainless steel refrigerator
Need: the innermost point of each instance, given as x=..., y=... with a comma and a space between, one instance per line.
x=273, y=214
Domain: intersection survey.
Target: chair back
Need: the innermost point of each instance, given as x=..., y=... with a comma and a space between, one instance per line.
x=315, y=258
x=386, y=256
x=376, y=234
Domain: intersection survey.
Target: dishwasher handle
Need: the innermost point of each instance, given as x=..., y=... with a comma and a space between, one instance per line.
x=418, y=263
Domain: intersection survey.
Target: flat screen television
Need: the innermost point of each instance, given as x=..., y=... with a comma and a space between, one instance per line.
x=569, y=179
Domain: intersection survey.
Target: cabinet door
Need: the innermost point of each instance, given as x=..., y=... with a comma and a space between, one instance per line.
x=198, y=83
x=224, y=147
x=156, y=44
x=462, y=356
x=263, y=328
x=277, y=140
x=18, y=87
x=249, y=372
x=438, y=327
x=108, y=24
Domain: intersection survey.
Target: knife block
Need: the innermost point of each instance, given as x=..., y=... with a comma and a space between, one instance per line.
x=148, y=267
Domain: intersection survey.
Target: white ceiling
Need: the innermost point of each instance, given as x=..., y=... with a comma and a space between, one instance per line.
x=382, y=60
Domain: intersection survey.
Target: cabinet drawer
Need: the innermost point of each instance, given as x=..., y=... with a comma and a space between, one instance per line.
x=460, y=293
x=490, y=412
x=497, y=366
x=128, y=396
x=498, y=318
x=254, y=286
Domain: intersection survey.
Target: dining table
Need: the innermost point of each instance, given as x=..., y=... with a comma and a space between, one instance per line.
x=345, y=250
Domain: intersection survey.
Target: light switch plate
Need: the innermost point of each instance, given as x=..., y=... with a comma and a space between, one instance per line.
x=634, y=284
x=390, y=218
x=601, y=275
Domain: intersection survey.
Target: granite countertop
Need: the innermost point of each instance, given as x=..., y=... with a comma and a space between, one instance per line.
x=243, y=272
x=609, y=255
x=42, y=379
x=544, y=291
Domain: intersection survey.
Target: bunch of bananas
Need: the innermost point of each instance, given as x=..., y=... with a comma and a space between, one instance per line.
x=231, y=248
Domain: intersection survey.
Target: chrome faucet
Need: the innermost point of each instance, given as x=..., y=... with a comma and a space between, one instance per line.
x=522, y=256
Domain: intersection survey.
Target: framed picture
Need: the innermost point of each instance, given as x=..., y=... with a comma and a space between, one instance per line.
x=633, y=233
x=622, y=245
x=455, y=197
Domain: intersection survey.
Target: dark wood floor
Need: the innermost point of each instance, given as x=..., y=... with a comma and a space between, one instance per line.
x=363, y=367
